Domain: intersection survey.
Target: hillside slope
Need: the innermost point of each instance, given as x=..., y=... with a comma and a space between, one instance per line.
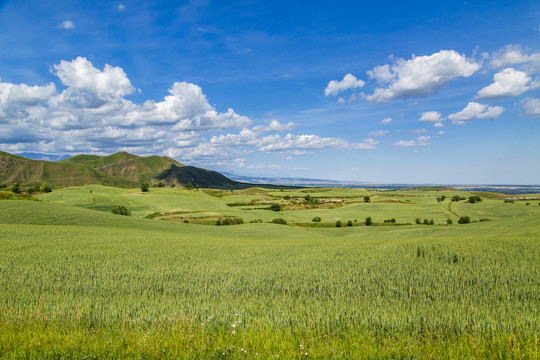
x=120, y=169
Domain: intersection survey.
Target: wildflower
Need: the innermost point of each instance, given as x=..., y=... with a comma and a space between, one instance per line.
x=233, y=332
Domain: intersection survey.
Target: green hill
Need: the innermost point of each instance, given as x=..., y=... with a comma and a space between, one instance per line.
x=120, y=169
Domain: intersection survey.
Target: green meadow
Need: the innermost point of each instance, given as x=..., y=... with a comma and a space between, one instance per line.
x=79, y=282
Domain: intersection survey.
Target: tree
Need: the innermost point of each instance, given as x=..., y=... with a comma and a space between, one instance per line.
x=121, y=210
x=349, y=223
x=392, y=220
x=287, y=197
x=44, y=188
x=367, y=199
x=418, y=221
x=145, y=187
x=449, y=221
x=369, y=221
x=160, y=185
x=431, y=222
x=189, y=186
x=15, y=188
x=316, y=219
x=464, y=220
x=275, y=207
x=338, y=223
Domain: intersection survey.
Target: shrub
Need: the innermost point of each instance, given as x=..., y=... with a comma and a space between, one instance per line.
x=474, y=198
x=464, y=220
x=369, y=221
x=145, y=187
x=367, y=199
x=44, y=188
x=279, y=221
x=316, y=219
x=3, y=186
x=287, y=197
x=121, y=210
x=431, y=222
x=15, y=188
x=218, y=222
x=338, y=223
x=511, y=201
x=232, y=221
x=31, y=190
x=160, y=185
x=418, y=221
x=275, y=207
x=186, y=222
x=528, y=203
x=449, y=221
x=349, y=223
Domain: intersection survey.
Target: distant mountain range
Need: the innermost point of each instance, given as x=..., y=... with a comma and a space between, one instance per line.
x=120, y=169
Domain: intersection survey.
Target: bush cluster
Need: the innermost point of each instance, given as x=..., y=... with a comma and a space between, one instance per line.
x=316, y=219
x=390, y=221
x=474, y=199
x=229, y=221
x=464, y=220
x=121, y=210
x=279, y=221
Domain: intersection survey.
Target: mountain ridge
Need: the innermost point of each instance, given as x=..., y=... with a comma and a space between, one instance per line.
x=120, y=169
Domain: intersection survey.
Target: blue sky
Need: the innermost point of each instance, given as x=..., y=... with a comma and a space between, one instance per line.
x=393, y=92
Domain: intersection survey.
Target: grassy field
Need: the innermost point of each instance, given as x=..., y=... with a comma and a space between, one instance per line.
x=78, y=283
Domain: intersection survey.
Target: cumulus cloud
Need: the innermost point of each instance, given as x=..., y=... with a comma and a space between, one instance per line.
x=506, y=83
x=279, y=127
x=349, y=81
x=531, y=107
x=420, y=141
x=474, y=110
x=68, y=25
x=510, y=55
x=438, y=125
x=420, y=76
x=387, y=120
x=431, y=116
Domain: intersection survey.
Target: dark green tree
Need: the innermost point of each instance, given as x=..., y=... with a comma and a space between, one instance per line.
x=367, y=199
x=338, y=223
x=121, y=210
x=145, y=187
x=369, y=221
x=15, y=188
x=275, y=207
x=44, y=188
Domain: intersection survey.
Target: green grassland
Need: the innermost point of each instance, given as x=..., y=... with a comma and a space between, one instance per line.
x=78, y=281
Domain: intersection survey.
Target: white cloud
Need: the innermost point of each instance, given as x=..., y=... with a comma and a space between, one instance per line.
x=121, y=7
x=378, y=133
x=506, y=83
x=279, y=127
x=23, y=101
x=349, y=81
x=68, y=25
x=420, y=76
x=438, y=125
x=441, y=132
x=474, y=110
x=420, y=141
x=387, y=120
x=431, y=116
x=532, y=107
x=90, y=87
x=510, y=55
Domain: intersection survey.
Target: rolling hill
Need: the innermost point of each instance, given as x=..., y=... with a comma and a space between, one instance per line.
x=120, y=169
